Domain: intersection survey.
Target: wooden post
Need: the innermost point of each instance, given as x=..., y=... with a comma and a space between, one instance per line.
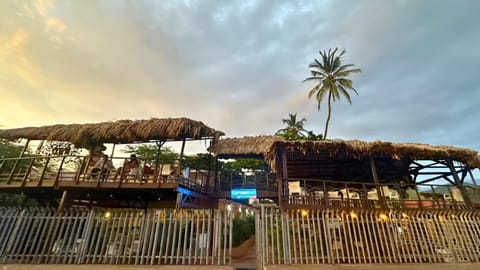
x=157, y=173
x=283, y=177
x=373, y=167
x=376, y=180
x=62, y=201
x=207, y=186
x=215, y=177
x=182, y=150
x=458, y=183
x=177, y=175
x=159, y=144
x=113, y=150
x=454, y=172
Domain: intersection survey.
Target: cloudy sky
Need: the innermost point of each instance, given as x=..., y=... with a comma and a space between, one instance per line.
x=238, y=66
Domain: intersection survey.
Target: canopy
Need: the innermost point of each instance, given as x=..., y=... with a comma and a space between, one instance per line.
x=121, y=131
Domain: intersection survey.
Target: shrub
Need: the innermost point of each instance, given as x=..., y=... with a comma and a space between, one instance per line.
x=243, y=229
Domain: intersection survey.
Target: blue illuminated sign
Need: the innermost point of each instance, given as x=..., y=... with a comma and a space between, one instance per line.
x=243, y=193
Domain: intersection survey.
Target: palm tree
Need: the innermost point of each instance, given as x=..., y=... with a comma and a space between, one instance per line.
x=294, y=128
x=332, y=78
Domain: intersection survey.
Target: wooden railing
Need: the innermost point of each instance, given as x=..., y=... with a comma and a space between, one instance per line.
x=64, y=171
x=345, y=195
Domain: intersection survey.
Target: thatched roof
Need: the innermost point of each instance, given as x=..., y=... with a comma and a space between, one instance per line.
x=343, y=149
x=121, y=131
x=246, y=146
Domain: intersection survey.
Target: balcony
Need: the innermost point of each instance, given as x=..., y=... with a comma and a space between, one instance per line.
x=344, y=195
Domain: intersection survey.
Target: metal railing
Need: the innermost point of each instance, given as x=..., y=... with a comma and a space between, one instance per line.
x=301, y=236
x=115, y=236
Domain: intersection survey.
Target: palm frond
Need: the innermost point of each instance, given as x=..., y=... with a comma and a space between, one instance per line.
x=321, y=94
x=342, y=68
x=345, y=93
x=314, y=90
x=347, y=83
x=334, y=91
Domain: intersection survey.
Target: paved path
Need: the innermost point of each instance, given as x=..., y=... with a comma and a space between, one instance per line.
x=247, y=261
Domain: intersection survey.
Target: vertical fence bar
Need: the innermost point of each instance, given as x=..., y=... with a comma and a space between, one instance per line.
x=209, y=237
x=162, y=238
x=39, y=225
x=71, y=219
x=174, y=240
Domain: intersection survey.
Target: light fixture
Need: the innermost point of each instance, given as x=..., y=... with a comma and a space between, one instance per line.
x=383, y=217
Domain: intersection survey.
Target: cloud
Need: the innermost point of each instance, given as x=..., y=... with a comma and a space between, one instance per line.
x=239, y=65
x=55, y=25
x=42, y=6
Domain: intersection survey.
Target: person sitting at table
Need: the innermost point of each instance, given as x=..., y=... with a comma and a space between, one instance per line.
x=131, y=167
x=102, y=167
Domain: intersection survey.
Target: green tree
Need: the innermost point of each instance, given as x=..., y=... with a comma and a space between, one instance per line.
x=149, y=152
x=251, y=164
x=9, y=150
x=332, y=78
x=200, y=161
x=294, y=128
x=311, y=136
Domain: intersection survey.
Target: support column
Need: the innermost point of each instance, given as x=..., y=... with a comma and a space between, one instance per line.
x=158, y=171
x=207, y=185
x=283, y=179
x=113, y=150
x=215, y=177
x=182, y=150
x=458, y=183
x=63, y=200
x=373, y=167
x=177, y=175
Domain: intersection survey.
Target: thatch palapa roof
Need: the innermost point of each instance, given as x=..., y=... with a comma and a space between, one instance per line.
x=267, y=146
x=121, y=131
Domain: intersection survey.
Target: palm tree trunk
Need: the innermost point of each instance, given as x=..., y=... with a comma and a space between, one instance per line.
x=328, y=116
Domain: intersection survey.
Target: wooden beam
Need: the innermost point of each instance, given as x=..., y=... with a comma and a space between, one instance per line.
x=454, y=172
x=182, y=150
x=458, y=182
x=471, y=176
x=373, y=168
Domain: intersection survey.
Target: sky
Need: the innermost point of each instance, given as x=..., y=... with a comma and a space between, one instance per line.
x=239, y=66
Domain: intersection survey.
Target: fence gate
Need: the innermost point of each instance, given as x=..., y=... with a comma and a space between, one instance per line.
x=115, y=236
x=321, y=236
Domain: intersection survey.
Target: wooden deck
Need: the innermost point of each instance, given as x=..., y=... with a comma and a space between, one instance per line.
x=72, y=179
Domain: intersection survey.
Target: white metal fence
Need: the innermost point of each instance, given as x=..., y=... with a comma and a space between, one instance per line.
x=324, y=236
x=115, y=236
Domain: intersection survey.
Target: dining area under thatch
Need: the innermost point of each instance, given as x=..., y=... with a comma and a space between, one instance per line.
x=51, y=174
x=323, y=168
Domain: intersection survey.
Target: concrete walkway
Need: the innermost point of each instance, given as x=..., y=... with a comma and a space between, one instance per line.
x=247, y=261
